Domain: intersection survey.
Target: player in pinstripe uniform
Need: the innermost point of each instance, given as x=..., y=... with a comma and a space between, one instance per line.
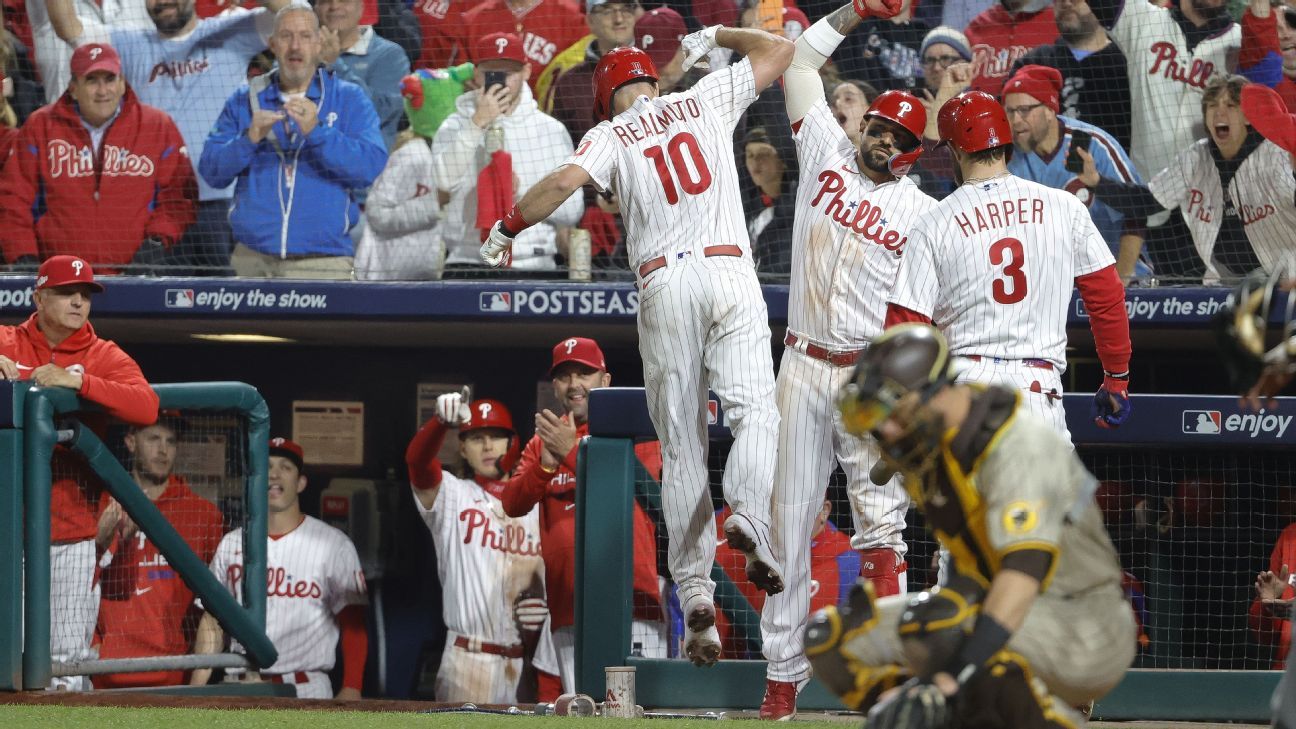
x=993, y=265
x=702, y=317
x=854, y=208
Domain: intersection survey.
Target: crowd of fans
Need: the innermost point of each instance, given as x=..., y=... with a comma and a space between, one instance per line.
x=285, y=140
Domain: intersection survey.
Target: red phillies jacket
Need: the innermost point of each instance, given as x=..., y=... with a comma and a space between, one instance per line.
x=146, y=608
x=999, y=38
x=57, y=196
x=1270, y=627
x=108, y=377
x=556, y=492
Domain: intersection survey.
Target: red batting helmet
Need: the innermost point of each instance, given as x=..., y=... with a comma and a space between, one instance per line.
x=488, y=414
x=973, y=121
x=905, y=109
x=618, y=67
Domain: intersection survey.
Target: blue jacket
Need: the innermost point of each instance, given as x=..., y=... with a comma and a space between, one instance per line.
x=284, y=213
x=378, y=70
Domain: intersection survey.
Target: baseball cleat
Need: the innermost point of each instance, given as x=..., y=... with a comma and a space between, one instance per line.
x=703, y=647
x=762, y=569
x=779, y=703
x=701, y=616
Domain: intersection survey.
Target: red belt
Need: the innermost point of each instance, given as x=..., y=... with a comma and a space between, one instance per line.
x=299, y=677
x=710, y=251
x=1042, y=364
x=508, y=651
x=844, y=358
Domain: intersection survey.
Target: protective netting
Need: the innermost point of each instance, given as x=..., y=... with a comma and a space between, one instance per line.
x=418, y=167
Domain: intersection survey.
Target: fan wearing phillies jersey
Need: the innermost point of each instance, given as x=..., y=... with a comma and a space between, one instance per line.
x=702, y=317
x=993, y=266
x=546, y=475
x=492, y=575
x=854, y=210
x=315, y=586
x=145, y=605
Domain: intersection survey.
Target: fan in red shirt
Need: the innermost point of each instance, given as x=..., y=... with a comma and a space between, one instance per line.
x=57, y=347
x=545, y=26
x=1271, y=612
x=546, y=475
x=146, y=609
x=834, y=569
x=439, y=21
x=1003, y=33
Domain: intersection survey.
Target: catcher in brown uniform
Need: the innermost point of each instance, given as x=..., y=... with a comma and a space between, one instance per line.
x=1032, y=619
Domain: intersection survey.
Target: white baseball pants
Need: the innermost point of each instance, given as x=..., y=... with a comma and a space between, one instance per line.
x=1041, y=387
x=703, y=323
x=74, y=609
x=812, y=440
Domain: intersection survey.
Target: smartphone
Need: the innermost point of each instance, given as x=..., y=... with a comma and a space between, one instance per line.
x=1079, y=140
x=495, y=78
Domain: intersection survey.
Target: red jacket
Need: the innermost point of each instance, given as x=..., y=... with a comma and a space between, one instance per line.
x=1260, y=44
x=1270, y=629
x=57, y=196
x=546, y=29
x=556, y=492
x=999, y=38
x=145, y=603
x=110, y=378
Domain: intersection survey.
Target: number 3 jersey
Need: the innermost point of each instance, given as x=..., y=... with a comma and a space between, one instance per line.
x=994, y=263
x=671, y=162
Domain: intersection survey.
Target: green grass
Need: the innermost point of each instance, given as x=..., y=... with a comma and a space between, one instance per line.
x=61, y=717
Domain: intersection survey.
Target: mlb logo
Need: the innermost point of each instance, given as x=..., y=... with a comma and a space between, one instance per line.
x=1080, y=309
x=180, y=298
x=1202, y=422
x=495, y=301
x=713, y=412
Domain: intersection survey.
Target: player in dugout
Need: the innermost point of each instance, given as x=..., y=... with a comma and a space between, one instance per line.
x=1032, y=621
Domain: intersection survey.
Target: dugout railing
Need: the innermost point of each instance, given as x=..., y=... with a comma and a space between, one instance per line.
x=33, y=421
x=1173, y=679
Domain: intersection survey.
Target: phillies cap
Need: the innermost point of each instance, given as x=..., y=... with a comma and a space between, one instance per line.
x=93, y=57
x=578, y=349
x=65, y=271
x=288, y=449
x=659, y=32
x=499, y=45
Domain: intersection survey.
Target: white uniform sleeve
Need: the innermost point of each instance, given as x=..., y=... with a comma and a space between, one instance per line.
x=1133, y=14
x=802, y=86
x=92, y=31
x=1091, y=251
x=557, y=148
x=728, y=92
x=1170, y=186
x=916, y=284
x=818, y=137
x=596, y=155
x=346, y=579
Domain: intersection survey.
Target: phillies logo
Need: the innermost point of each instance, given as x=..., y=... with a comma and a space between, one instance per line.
x=905, y=108
x=1253, y=213
x=178, y=69
x=1197, y=206
x=484, y=409
x=66, y=159
x=434, y=8
x=95, y=52
x=508, y=538
x=279, y=583
x=500, y=45
x=77, y=265
x=1166, y=57
x=570, y=344
x=862, y=217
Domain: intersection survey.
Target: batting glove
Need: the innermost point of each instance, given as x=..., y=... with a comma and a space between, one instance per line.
x=916, y=705
x=531, y=612
x=697, y=46
x=452, y=408
x=877, y=8
x=497, y=251
x=1105, y=412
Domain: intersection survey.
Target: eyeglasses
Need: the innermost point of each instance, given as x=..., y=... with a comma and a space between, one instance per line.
x=942, y=61
x=614, y=9
x=1022, y=111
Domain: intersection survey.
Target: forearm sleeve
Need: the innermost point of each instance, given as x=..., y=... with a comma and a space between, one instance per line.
x=1104, y=300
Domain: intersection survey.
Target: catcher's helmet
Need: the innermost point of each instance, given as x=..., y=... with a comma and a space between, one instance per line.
x=909, y=358
x=618, y=67
x=973, y=121
x=488, y=414
x=903, y=108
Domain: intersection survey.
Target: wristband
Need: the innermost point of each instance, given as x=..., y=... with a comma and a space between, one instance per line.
x=513, y=223
x=822, y=38
x=548, y=471
x=1116, y=375
x=987, y=639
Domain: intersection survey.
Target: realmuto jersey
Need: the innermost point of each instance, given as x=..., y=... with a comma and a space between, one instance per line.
x=485, y=559
x=671, y=162
x=1167, y=79
x=848, y=236
x=312, y=573
x=994, y=263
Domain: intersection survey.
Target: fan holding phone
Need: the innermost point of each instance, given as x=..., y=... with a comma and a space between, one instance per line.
x=1047, y=150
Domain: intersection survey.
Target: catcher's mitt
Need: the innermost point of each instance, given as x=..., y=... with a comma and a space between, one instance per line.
x=1240, y=327
x=915, y=705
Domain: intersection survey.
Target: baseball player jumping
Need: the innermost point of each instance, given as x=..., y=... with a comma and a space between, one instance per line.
x=702, y=317
x=1033, y=620
x=993, y=265
x=854, y=208
x=492, y=574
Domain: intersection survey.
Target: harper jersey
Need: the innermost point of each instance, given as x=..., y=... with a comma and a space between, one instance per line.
x=671, y=163
x=312, y=572
x=993, y=266
x=485, y=558
x=848, y=236
x=144, y=604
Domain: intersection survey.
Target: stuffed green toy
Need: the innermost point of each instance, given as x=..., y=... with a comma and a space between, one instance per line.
x=430, y=96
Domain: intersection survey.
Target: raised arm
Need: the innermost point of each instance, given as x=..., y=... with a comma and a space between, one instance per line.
x=769, y=54
x=802, y=84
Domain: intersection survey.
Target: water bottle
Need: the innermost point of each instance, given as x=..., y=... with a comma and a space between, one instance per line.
x=578, y=255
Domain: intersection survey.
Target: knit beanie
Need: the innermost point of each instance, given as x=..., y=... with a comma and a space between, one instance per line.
x=950, y=37
x=1042, y=83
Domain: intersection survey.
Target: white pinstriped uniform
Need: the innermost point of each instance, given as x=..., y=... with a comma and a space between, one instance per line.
x=847, y=242
x=994, y=265
x=702, y=321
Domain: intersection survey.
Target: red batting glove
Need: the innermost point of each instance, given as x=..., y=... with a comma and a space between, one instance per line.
x=877, y=8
